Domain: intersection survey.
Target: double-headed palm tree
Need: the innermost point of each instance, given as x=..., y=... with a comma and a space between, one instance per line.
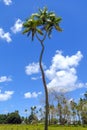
x=41, y=25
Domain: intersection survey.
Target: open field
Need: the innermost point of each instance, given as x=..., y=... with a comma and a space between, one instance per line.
x=34, y=127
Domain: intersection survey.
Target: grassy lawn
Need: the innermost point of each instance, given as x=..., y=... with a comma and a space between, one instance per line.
x=34, y=127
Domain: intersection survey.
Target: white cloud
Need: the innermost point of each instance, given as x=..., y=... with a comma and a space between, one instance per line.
x=6, y=95
x=86, y=84
x=39, y=93
x=5, y=79
x=7, y=2
x=59, y=62
x=32, y=95
x=62, y=73
x=6, y=36
x=17, y=26
x=32, y=68
x=35, y=78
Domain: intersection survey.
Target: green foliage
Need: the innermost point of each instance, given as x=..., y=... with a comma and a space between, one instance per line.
x=41, y=22
x=3, y=119
x=53, y=121
x=13, y=118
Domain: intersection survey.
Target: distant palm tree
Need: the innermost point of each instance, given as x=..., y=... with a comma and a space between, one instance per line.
x=73, y=105
x=41, y=25
x=33, y=110
x=26, y=112
x=26, y=115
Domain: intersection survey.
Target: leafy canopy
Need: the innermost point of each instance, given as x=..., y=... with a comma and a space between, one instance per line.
x=41, y=22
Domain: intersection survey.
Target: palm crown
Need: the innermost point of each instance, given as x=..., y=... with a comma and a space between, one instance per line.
x=41, y=22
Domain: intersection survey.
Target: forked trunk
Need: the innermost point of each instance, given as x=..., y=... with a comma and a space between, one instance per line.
x=45, y=87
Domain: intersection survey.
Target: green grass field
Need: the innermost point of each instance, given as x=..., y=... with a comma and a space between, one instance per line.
x=34, y=127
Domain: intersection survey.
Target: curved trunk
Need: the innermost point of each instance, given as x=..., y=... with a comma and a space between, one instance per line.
x=45, y=87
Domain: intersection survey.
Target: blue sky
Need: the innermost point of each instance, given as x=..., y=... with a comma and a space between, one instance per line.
x=65, y=57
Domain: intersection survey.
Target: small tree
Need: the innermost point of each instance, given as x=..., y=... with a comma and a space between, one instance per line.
x=42, y=24
x=14, y=118
x=33, y=118
x=84, y=108
x=26, y=120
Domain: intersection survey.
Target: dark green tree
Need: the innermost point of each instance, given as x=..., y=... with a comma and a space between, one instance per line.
x=40, y=25
x=14, y=118
x=3, y=118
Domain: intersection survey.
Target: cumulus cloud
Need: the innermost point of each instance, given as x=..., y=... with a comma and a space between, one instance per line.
x=5, y=79
x=17, y=26
x=32, y=95
x=32, y=68
x=35, y=78
x=62, y=73
x=7, y=2
x=59, y=62
x=6, y=36
x=6, y=95
x=86, y=84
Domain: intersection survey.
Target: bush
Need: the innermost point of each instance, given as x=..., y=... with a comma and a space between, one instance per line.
x=14, y=118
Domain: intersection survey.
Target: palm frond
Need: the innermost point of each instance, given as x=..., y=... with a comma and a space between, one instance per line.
x=39, y=31
x=58, y=28
x=26, y=30
x=50, y=32
x=28, y=34
x=58, y=20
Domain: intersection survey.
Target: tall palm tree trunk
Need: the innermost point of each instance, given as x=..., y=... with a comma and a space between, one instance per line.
x=45, y=87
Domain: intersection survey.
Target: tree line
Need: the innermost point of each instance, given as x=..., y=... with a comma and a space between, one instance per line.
x=68, y=111
x=10, y=118
x=61, y=111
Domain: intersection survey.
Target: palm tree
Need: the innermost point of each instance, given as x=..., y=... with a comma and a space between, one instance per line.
x=85, y=96
x=41, y=25
x=51, y=108
x=73, y=105
x=33, y=110
x=26, y=120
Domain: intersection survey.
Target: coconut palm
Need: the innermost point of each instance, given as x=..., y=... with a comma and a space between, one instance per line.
x=41, y=25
